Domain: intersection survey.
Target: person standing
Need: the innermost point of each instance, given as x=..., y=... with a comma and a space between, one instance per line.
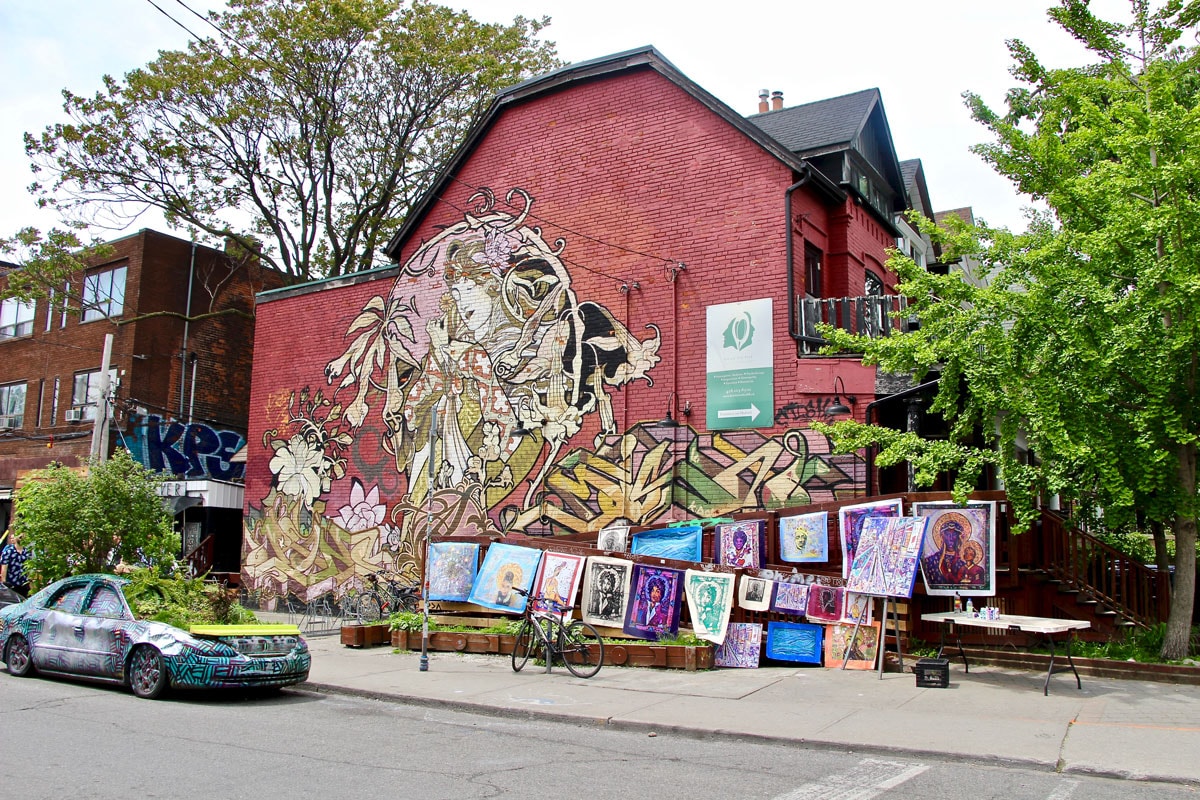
x=12, y=565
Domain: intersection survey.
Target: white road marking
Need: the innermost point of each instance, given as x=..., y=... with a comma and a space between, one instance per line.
x=1065, y=790
x=871, y=778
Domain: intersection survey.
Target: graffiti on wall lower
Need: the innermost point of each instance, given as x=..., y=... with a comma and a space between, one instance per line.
x=194, y=450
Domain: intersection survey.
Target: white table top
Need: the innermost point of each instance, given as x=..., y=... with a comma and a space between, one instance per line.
x=1006, y=621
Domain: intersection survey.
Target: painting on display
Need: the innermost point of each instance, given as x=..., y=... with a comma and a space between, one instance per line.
x=558, y=578
x=741, y=544
x=850, y=522
x=606, y=591
x=682, y=543
x=790, y=598
x=864, y=652
x=794, y=641
x=710, y=599
x=825, y=603
x=504, y=567
x=452, y=570
x=885, y=564
x=742, y=646
x=754, y=594
x=959, y=554
x=858, y=608
x=804, y=537
x=614, y=539
x=655, y=599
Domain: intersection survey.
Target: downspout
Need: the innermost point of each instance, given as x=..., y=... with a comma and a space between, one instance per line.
x=186, y=317
x=791, y=256
x=867, y=421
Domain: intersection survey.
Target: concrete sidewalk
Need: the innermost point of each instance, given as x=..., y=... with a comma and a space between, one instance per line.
x=1118, y=728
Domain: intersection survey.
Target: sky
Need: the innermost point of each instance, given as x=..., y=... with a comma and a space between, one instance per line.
x=921, y=56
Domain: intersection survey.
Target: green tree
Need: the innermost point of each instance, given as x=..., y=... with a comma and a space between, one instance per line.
x=301, y=128
x=1086, y=340
x=73, y=523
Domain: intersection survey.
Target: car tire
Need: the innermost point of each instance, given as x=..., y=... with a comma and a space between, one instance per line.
x=18, y=656
x=147, y=673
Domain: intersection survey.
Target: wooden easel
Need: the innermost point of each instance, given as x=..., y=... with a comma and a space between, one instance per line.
x=882, y=635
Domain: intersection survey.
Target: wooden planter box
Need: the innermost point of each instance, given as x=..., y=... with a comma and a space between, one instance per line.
x=632, y=654
x=365, y=635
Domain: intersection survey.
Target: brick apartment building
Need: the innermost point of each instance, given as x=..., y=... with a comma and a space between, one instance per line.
x=181, y=318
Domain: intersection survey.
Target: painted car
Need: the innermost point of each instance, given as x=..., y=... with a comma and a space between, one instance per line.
x=82, y=627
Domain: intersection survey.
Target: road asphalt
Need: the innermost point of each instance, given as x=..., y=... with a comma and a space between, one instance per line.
x=1118, y=728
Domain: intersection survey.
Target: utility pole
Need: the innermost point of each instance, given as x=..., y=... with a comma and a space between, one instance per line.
x=100, y=426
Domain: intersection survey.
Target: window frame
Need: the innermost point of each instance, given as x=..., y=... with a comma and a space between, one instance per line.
x=5, y=404
x=96, y=304
x=21, y=327
x=91, y=400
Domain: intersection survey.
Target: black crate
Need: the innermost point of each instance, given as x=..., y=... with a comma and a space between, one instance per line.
x=933, y=673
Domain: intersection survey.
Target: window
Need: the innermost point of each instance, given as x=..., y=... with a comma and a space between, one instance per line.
x=812, y=271
x=12, y=405
x=105, y=602
x=16, y=318
x=104, y=294
x=68, y=598
x=873, y=285
x=86, y=393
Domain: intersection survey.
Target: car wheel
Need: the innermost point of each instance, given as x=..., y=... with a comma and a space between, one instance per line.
x=18, y=656
x=147, y=673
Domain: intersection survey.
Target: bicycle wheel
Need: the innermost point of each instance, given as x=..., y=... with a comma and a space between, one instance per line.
x=523, y=646
x=407, y=600
x=581, y=648
x=370, y=608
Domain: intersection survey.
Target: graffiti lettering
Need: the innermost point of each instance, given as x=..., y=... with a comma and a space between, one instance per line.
x=193, y=451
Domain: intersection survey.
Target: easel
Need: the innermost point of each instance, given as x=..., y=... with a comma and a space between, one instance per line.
x=882, y=635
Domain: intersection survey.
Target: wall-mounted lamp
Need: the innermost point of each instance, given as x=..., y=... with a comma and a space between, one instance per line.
x=673, y=406
x=838, y=408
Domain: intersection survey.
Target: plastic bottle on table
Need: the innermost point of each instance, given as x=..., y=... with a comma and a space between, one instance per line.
x=970, y=607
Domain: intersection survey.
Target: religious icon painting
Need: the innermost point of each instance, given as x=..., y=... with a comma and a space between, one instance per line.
x=606, y=591
x=850, y=522
x=794, y=641
x=505, y=567
x=858, y=608
x=885, y=564
x=790, y=598
x=825, y=603
x=682, y=543
x=452, y=570
x=742, y=646
x=804, y=537
x=754, y=594
x=741, y=544
x=655, y=600
x=959, y=552
x=862, y=654
x=558, y=579
x=710, y=599
x=614, y=539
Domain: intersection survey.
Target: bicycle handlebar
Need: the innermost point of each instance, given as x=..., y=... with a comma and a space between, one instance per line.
x=550, y=605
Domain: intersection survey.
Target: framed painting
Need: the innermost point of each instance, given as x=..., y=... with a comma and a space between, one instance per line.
x=558, y=578
x=655, y=599
x=742, y=646
x=825, y=603
x=959, y=553
x=741, y=544
x=804, y=537
x=850, y=522
x=794, y=641
x=885, y=564
x=864, y=652
x=790, y=598
x=606, y=591
x=614, y=539
x=858, y=608
x=710, y=599
x=504, y=567
x=452, y=570
x=683, y=543
x=754, y=594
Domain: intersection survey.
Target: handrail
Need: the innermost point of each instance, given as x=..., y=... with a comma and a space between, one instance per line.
x=871, y=316
x=200, y=559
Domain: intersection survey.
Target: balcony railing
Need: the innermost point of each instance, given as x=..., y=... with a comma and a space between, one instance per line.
x=865, y=316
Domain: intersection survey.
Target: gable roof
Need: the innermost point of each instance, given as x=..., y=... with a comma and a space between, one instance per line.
x=822, y=126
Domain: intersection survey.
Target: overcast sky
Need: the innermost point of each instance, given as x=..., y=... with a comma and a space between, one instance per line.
x=922, y=56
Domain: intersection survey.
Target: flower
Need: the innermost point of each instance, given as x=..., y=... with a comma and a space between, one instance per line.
x=363, y=511
x=298, y=466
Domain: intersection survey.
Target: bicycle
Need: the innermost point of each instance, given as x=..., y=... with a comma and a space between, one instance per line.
x=385, y=595
x=547, y=629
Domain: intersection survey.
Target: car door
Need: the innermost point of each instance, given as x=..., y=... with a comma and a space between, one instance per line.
x=103, y=623
x=59, y=642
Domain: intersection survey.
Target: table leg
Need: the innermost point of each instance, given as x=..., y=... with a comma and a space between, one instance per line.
x=957, y=641
x=1050, y=668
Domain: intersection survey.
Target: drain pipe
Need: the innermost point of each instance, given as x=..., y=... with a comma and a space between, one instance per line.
x=183, y=351
x=791, y=255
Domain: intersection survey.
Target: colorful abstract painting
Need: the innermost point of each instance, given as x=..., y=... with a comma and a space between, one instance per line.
x=959, y=554
x=790, y=598
x=606, y=591
x=825, y=603
x=754, y=594
x=858, y=608
x=742, y=646
x=452, y=570
x=682, y=543
x=804, y=537
x=794, y=641
x=864, y=652
x=558, y=578
x=504, y=567
x=885, y=564
x=741, y=544
x=710, y=599
x=850, y=522
x=655, y=600
x=614, y=539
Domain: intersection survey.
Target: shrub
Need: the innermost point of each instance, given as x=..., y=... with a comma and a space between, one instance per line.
x=182, y=602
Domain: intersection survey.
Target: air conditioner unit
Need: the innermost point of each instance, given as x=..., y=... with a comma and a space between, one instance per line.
x=74, y=415
x=8, y=422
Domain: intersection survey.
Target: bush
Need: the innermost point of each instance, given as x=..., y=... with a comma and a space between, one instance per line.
x=182, y=602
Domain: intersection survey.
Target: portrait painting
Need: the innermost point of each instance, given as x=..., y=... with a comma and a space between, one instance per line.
x=710, y=599
x=858, y=608
x=754, y=594
x=614, y=539
x=452, y=570
x=885, y=564
x=790, y=598
x=850, y=522
x=742, y=646
x=794, y=641
x=741, y=544
x=825, y=603
x=558, y=579
x=655, y=600
x=863, y=653
x=682, y=542
x=959, y=552
x=606, y=591
x=505, y=567
x=804, y=537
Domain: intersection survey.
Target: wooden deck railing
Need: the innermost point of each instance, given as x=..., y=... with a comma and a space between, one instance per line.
x=866, y=316
x=200, y=560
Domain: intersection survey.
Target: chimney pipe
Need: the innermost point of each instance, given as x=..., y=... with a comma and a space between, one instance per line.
x=762, y=101
x=776, y=101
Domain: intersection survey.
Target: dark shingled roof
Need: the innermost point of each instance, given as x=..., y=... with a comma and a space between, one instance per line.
x=820, y=125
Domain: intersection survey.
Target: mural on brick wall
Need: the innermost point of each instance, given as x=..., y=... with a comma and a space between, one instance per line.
x=194, y=450
x=481, y=337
